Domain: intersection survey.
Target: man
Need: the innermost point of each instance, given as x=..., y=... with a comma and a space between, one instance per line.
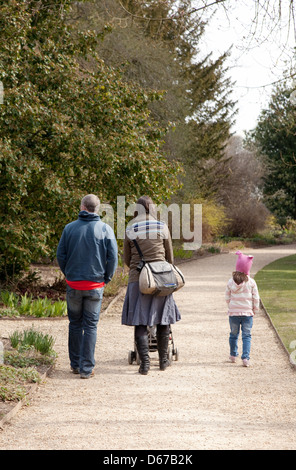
x=87, y=255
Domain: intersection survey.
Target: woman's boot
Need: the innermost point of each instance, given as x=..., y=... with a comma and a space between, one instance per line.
x=143, y=351
x=162, y=346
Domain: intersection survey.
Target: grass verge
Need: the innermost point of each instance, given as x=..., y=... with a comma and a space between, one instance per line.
x=276, y=283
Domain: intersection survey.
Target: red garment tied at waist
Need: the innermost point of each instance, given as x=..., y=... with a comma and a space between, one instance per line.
x=85, y=285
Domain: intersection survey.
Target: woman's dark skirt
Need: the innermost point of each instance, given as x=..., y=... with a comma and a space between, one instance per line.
x=145, y=309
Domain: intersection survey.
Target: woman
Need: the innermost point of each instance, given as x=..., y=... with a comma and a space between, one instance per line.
x=142, y=310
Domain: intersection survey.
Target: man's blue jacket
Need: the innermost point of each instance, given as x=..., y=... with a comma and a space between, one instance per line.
x=87, y=250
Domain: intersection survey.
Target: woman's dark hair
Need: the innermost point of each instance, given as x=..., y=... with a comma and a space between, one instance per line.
x=239, y=277
x=148, y=205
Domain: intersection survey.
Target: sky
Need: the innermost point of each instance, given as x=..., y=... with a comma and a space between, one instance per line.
x=261, y=52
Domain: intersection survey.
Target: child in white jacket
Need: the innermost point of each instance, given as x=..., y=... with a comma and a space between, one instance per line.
x=243, y=300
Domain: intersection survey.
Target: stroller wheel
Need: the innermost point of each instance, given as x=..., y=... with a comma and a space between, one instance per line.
x=170, y=354
x=131, y=357
x=176, y=354
x=137, y=358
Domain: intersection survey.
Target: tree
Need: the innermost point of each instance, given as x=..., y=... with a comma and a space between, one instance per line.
x=275, y=139
x=66, y=128
x=159, y=44
x=241, y=195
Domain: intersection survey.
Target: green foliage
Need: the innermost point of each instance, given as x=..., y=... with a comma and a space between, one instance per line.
x=214, y=249
x=15, y=338
x=13, y=382
x=66, y=129
x=205, y=134
x=31, y=349
x=160, y=47
x=214, y=219
x=27, y=306
x=205, y=109
x=275, y=139
x=9, y=299
x=26, y=339
x=181, y=253
x=119, y=280
x=25, y=358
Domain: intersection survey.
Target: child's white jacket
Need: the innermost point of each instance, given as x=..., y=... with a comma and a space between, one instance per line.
x=242, y=299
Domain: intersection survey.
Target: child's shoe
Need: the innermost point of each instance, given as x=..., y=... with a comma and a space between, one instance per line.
x=232, y=358
x=246, y=363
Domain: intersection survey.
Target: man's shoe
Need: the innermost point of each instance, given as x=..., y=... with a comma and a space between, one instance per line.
x=87, y=376
x=74, y=371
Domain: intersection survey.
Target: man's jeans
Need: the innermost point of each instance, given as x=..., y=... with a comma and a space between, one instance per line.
x=246, y=324
x=83, y=311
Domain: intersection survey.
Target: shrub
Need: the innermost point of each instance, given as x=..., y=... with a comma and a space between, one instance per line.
x=213, y=220
x=246, y=219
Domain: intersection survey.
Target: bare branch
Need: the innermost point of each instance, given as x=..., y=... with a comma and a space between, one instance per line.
x=178, y=15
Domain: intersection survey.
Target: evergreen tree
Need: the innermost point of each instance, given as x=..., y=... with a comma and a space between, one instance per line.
x=275, y=139
x=66, y=129
x=159, y=44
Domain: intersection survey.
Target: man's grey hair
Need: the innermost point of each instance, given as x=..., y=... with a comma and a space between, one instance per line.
x=90, y=202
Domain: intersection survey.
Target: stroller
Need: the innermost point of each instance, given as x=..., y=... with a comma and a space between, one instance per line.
x=133, y=356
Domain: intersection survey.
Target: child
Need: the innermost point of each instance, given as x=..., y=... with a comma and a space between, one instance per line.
x=242, y=298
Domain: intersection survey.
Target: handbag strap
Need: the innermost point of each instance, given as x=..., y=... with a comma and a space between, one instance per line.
x=139, y=250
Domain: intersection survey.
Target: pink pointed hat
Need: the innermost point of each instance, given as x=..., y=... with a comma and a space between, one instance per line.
x=244, y=263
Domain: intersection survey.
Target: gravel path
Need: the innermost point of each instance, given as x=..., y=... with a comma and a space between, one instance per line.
x=201, y=402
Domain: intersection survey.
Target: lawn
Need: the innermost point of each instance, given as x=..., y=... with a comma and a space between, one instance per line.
x=277, y=288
